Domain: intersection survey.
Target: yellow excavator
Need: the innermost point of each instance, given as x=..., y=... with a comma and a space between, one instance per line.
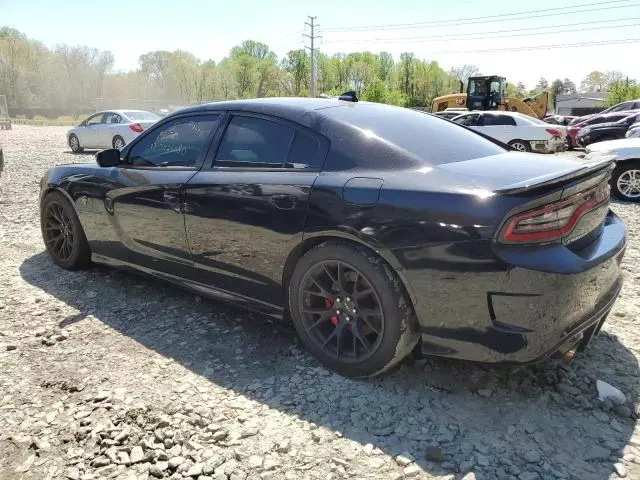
x=487, y=93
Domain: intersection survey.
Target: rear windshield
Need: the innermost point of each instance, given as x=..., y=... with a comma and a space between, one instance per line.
x=141, y=116
x=433, y=139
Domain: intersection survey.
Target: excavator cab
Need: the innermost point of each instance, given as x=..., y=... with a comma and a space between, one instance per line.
x=485, y=93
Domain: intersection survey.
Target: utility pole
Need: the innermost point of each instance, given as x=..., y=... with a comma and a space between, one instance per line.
x=312, y=49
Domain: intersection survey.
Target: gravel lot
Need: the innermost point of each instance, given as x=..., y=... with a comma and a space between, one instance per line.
x=105, y=374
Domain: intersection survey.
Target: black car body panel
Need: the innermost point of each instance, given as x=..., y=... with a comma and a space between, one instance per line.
x=433, y=216
x=606, y=131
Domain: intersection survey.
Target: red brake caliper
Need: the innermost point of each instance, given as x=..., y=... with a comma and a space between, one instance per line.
x=328, y=303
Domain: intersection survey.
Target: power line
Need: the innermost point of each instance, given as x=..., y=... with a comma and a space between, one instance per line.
x=312, y=37
x=469, y=36
x=542, y=47
x=489, y=18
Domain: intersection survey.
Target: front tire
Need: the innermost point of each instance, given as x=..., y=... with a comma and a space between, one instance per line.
x=520, y=145
x=625, y=181
x=118, y=142
x=350, y=310
x=62, y=233
x=74, y=144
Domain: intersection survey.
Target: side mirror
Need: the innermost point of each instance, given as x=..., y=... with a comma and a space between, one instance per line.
x=108, y=158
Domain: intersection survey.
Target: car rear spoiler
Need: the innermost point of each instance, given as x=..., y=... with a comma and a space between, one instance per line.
x=605, y=162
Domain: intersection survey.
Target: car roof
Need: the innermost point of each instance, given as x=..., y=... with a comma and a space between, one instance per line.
x=304, y=111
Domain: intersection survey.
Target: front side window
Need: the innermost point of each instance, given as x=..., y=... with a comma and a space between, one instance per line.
x=177, y=143
x=254, y=142
x=95, y=120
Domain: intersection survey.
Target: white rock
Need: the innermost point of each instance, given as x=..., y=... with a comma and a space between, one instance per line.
x=404, y=459
x=609, y=391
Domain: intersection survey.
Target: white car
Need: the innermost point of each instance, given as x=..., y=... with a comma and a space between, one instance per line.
x=633, y=131
x=521, y=132
x=625, y=179
x=109, y=129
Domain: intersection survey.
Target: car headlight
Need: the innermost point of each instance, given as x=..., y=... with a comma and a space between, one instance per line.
x=633, y=133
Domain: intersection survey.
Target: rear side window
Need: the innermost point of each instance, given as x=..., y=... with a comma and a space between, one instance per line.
x=111, y=117
x=489, y=120
x=307, y=151
x=255, y=142
x=429, y=139
x=468, y=120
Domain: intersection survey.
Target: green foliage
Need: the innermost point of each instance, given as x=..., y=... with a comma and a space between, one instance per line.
x=594, y=82
x=78, y=79
x=621, y=91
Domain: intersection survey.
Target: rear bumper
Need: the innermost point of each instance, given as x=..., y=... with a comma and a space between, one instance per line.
x=555, y=144
x=516, y=305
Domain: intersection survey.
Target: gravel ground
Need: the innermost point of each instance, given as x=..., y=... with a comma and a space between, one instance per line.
x=105, y=374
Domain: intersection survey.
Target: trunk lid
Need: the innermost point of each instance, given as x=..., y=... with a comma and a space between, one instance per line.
x=513, y=173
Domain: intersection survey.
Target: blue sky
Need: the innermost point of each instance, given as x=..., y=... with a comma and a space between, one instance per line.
x=210, y=28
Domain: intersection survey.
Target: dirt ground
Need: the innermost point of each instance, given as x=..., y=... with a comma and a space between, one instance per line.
x=105, y=374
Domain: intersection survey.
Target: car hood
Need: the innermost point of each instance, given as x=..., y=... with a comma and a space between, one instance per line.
x=513, y=172
x=624, y=149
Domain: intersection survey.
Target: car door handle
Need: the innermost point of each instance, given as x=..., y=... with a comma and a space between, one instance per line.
x=170, y=196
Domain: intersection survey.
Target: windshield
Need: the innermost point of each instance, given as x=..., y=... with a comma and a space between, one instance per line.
x=138, y=116
x=435, y=140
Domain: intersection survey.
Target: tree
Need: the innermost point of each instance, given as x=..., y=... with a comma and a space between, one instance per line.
x=569, y=86
x=621, y=91
x=464, y=72
x=297, y=63
x=542, y=84
x=594, y=82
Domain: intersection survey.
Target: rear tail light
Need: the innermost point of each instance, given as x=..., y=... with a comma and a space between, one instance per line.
x=554, y=132
x=553, y=221
x=136, y=127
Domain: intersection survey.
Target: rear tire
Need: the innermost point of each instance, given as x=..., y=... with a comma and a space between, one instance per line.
x=520, y=145
x=74, y=143
x=62, y=233
x=625, y=181
x=118, y=142
x=379, y=340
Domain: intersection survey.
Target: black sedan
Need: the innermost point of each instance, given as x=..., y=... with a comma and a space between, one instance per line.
x=606, y=131
x=375, y=230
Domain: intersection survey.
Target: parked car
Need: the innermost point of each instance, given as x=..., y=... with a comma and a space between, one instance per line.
x=109, y=129
x=374, y=228
x=606, y=131
x=633, y=131
x=521, y=132
x=573, y=130
x=625, y=179
x=620, y=107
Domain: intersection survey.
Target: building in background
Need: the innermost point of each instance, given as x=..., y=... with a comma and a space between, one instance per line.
x=579, y=103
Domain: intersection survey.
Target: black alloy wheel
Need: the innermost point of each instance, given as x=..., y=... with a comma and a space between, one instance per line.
x=350, y=309
x=342, y=313
x=62, y=233
x=58, y=231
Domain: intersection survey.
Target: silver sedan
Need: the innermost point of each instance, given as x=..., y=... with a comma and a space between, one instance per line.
x=109, y=129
